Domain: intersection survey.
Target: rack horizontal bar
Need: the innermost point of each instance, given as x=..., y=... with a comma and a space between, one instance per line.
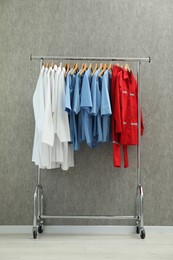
x=89, y=217
x=131, y=59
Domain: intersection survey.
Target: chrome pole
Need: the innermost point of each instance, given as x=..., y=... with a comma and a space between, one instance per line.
x=91, y=217
x=139, y=126
x=38, y=185
x=35, y=207
x=130, y=59
x=139, y=188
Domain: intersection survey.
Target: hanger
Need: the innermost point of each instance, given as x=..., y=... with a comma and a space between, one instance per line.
x=103, y=70
x=96, y=67
x=119, y=65
x=74, y=64
x=74, y=68
x=84, y=69
x=110, y=66
x=101, y=66
x=82, y=66
x=90, y=66
x=127, y=67
x=47, y=65
x=52, y=65
x=67, y=69
x=65, y=66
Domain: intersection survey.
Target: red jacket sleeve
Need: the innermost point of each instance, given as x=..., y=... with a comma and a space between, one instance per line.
x=142, y=121
x=142, y=124
x=117, y=112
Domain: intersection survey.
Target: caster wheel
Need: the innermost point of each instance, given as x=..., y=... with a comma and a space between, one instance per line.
x=34, y=232
x=137, y=230
x=142, y=234
x=40, y=229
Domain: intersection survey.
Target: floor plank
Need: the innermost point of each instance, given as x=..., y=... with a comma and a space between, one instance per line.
x=86, y=247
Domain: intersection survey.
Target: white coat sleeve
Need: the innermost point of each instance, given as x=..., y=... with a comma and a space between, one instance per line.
x=38, y=107
x=48, y=131
x=62, y=121
x=38, y=102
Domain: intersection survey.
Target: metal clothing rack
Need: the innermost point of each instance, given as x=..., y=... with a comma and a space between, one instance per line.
x=38, y=194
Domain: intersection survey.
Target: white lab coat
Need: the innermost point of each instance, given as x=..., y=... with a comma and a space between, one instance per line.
x=51, y=148
x=41, y=151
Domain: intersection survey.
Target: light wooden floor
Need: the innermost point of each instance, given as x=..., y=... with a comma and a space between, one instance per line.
x=84, y=247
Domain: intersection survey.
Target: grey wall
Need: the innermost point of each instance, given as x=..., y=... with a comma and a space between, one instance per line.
x=85, y=28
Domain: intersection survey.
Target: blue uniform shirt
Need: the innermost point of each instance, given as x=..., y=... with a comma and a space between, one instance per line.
x=86, y=105
x=95, y=94
x=95, y=110
x=70, y=85
x=105, y=106
x=77, y=109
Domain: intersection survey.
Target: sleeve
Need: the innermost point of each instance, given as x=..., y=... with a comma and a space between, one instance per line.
x=53, y=90
x=62, y=127
x=94, y=109
x=67, y=94
x=105, y=99
x=38, y=103
x=76, y=96
x=117, y=113
x=142, y=124
x=86, y=101
x=141, y=116
x=48, y=131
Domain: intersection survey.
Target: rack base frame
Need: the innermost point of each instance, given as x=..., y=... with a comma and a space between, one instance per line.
x=38, y=222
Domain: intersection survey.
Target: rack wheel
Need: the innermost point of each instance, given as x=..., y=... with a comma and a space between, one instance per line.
x=40, y=229
x=137, y=230
x=34, y=232
x=142, y=234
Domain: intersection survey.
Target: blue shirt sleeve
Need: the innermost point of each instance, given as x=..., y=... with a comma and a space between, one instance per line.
x=95, y=94
x=86, y=101
x=105, y=98
x=76, y=97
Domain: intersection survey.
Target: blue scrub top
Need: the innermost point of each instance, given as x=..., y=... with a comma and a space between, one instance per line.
x=95, y=110
x=86, y=105
x=77, y=109
x=105, y=106
x=69, y=87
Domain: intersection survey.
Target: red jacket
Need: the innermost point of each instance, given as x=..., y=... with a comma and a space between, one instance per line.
x=124, y=99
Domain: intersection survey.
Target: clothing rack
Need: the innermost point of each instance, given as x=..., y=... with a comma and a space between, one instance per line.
x=38, y=194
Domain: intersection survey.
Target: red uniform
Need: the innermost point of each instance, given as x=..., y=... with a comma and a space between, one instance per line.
x=124, y=99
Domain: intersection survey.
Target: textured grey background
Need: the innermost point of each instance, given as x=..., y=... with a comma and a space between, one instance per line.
x=85, y=28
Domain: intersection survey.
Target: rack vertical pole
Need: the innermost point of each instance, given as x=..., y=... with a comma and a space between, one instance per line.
x=139, y=188
x=139, y=125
